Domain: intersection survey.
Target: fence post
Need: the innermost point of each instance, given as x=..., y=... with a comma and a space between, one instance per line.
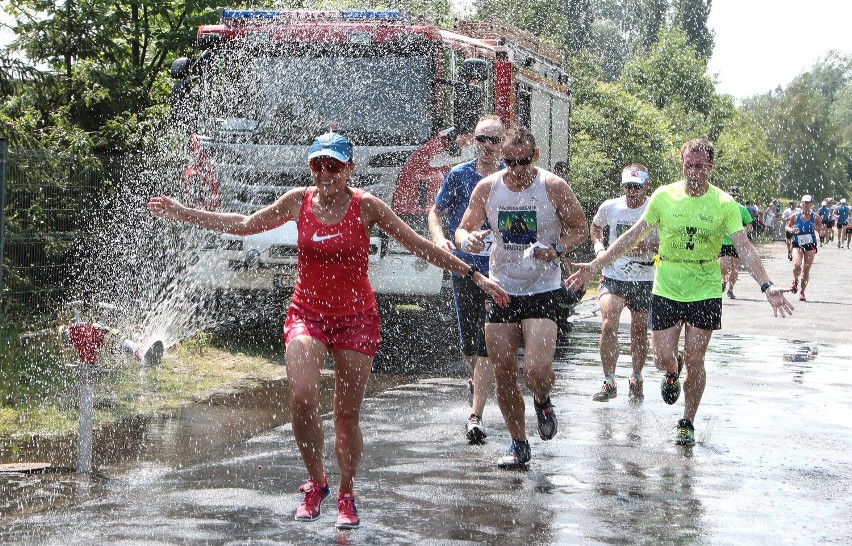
x=2, y=213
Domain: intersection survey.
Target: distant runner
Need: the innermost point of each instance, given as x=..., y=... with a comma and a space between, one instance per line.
x=729, y=260
x=826, y=214
x=841, y=215
x=785, y=216
x=804, y=226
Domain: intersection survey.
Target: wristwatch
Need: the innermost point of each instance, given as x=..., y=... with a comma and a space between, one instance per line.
x=765, y=286
x=558, y=248
x=471, y=272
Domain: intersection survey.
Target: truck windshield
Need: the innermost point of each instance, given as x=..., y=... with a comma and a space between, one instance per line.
x=376, y=100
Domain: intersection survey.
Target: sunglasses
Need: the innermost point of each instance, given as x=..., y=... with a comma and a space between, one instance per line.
x=633, y=186
x=333, y=166
x=486, y=138
x=522, y=162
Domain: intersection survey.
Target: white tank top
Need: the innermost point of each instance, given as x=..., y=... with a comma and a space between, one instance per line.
x=517, y=220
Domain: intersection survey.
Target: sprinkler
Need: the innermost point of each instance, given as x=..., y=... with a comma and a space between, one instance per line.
x=89, y=339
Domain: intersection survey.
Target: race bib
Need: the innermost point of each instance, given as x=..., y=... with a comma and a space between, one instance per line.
x=805, y=239
x=486, y=250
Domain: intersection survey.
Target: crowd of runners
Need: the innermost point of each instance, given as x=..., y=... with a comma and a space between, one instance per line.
x=504, y=228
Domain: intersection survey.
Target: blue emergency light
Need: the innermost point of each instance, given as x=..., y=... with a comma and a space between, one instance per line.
x=313, y=15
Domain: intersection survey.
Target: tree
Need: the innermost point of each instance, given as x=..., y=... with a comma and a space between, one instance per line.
x=744, y=160
x=611, y=129
x=671, y=75
x=691, y=16
x=109, y=56
x=799, y=129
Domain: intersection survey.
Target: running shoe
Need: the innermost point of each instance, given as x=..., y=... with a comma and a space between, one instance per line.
x=731, y=295
x=547, y=423
x=635, y=394
x=347, y=514
x=608, y=391
x=802, y=297
x=475, y=434
x=517, y=458
x=795, y=286
x=790, y=256
x=315, y=495
x=670, y=388
x=469, y=392
x=685, y=433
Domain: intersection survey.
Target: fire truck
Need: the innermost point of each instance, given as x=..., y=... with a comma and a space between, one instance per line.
x=406, y=92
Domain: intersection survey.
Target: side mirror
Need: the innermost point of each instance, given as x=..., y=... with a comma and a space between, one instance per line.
x=467, y=107
x=180, y=68
x=474, y=69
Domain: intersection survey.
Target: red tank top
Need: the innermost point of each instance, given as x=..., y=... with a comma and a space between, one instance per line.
x=333, y=261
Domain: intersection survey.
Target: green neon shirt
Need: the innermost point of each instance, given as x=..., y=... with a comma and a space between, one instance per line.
x=747, y=219
x=691, y=231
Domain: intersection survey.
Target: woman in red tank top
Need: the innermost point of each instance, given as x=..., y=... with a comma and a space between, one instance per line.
x=333, y=306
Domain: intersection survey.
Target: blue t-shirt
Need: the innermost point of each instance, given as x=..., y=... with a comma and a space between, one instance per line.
x=842, y=213
x=453, y=198
x=826, y=213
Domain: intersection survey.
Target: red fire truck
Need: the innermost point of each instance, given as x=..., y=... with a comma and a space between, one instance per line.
x=407, y=93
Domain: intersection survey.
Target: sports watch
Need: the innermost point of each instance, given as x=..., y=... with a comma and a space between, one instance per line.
x=558, y=248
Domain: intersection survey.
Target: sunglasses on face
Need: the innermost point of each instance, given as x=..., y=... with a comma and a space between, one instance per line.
x=333, y=166
x=634, y=186
x=522, y=162
x=486, y=138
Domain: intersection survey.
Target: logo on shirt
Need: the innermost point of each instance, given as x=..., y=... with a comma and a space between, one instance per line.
x=318, y=238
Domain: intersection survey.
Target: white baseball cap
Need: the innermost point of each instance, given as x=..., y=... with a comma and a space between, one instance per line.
x=634, y=176
x=807, y=198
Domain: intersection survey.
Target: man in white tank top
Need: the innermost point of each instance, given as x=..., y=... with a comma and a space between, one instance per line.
x=535, y=218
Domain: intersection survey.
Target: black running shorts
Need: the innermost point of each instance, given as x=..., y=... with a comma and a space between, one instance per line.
x=704, y=314
x=543, y=305
x=470, y=313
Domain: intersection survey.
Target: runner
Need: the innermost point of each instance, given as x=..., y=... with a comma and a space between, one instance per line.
x=785, y=216
x=769, y=218
x=452, y=200
x=804, y=227
x=536, y=219
x=626, y=282
x=692, y=216
x=729, y=260
x=826, y=215
x=333, y=308
x=841, y=215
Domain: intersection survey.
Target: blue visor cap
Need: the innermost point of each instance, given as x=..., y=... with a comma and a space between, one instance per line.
x=332, y=145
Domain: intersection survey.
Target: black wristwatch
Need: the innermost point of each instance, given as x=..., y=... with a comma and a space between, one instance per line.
x=471, y=272
x=558, y=248
x=765, y=286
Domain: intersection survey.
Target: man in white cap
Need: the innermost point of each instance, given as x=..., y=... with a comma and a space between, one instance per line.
x=841, y=213
x=625, y=282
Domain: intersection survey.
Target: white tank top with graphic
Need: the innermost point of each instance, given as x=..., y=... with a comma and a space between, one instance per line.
x=519, y=219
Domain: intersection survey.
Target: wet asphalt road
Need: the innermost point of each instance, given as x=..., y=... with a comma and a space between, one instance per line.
x=772, y=465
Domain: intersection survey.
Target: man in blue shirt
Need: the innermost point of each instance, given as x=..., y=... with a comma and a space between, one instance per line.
x=841, y=214
x=452, y=200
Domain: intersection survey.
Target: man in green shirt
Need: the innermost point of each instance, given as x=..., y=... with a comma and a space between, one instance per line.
x=729, y=260
x=692, y=216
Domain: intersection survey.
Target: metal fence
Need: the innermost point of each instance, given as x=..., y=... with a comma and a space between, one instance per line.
x=47, y=204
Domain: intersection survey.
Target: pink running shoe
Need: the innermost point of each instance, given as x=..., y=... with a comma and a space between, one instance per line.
x=315, y=495
x=347, y=514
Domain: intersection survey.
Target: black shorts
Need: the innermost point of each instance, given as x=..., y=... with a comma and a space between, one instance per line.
x=805, y=248
x=828, y=223
x=544, y=305
x=841, y=225
x=704, y=314
x=636, y=294
x=470, y=313
x=788, y=235
x=729, y=250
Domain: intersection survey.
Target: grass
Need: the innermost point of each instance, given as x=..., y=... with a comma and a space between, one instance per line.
x=40, y=391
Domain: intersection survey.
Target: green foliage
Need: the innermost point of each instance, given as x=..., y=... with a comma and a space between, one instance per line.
x=546, y=19
x=801, y=130
x=670, y=76
x=744, y=160
x=612, y=129
x=691, y=16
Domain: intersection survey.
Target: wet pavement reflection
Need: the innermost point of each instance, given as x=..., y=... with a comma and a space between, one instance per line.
x=771, y=465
